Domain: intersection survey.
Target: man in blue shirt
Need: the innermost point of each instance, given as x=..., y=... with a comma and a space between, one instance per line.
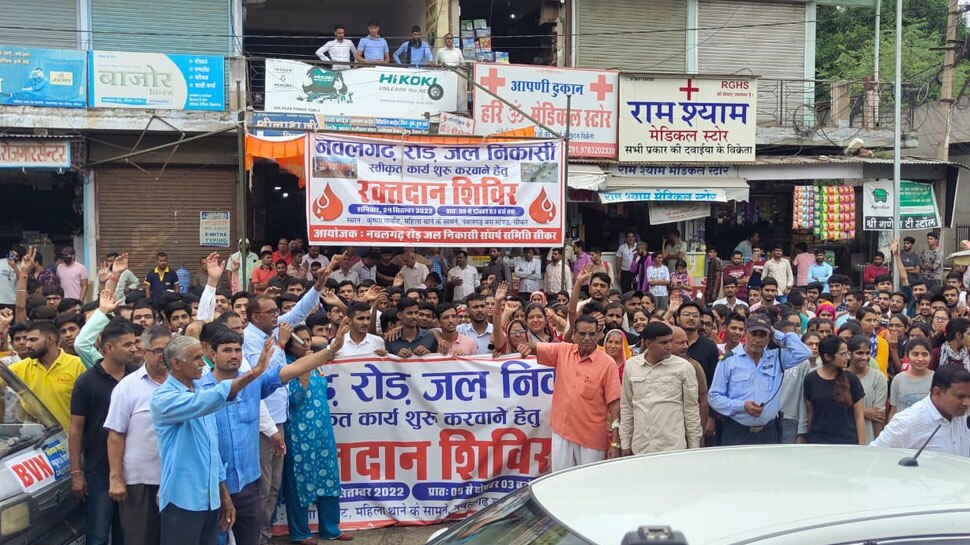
x=238, y=423
x=747, y=381
x=820, y=271
x=161, y=278
x=372, y=48
x=416, y=51
x=193, y=499
x=263, y=319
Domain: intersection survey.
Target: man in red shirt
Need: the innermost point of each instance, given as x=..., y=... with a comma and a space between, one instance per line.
x=738, y=271
x=262, y=275
x=283, y=252
x=878, y=267
x=585, y=398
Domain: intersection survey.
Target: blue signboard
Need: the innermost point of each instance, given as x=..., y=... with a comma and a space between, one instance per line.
x=42, y=77
x=157, y=81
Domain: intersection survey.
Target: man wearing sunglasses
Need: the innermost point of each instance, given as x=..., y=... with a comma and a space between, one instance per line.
x=747, y=381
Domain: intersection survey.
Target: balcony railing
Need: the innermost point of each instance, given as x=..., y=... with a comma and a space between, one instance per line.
x=806, y=105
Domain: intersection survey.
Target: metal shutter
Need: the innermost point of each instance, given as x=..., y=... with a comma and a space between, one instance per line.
x=57, y=17
x=161, y=26
x=762, y=38
x=143, y=215
x=643, y=35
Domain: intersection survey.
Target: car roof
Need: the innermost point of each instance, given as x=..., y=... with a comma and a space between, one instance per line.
x=739, y=494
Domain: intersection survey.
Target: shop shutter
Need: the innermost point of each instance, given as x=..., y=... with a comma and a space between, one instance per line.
x=761, y=38
x=634, y=35
x=57, y=18
x=161, y=26
x=143, y=215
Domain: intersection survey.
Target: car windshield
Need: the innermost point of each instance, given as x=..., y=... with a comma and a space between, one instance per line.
x=516, y=518
x=24, y=420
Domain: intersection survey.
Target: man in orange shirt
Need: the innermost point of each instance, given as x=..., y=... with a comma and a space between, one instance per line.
x=585, y=398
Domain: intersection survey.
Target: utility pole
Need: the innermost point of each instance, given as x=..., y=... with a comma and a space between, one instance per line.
x=946, y=91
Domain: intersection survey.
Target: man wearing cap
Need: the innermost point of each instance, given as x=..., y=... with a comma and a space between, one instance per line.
x=747, y=381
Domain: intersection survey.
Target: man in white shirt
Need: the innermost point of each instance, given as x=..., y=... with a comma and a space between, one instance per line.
x=345, y=273
x=941, y=415
x=133, y=456
x=780, y=269
x=464, y=278
x=449, y=55
x=358, y=341
x=528, y=269
x=366, y=268
x=730, y=291
x=314, y=256
x=553, y=281
x=338, y=50
x=624, y=261
x=414, y=273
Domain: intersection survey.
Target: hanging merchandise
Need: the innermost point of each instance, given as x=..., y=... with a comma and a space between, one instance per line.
x=826, y=209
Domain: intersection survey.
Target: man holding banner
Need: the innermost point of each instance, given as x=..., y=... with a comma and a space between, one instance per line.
x=585, y=398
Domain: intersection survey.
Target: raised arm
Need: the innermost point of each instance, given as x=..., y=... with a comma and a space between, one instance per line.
x=84, y=344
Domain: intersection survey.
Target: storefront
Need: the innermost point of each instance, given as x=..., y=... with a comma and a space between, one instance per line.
x=42, y=193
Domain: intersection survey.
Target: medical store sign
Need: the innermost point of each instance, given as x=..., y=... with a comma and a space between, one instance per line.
x=687, y=119
x=542, y=92
x=156, y=81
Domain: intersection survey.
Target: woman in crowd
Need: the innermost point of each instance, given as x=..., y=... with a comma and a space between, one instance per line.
x=834, y=398
x=514, y=339
x=658, y=278
x=913, y=385
x=895, y=335
x=311, y=475
x=826, y=311
x=616, y=347
x=540, y=331
x=938, y=323
x=873, y=384
x=792, y=389
x=953, y=349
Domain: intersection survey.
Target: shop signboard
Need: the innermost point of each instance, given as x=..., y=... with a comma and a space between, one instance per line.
x=672, y=212
x=541, y=92
x=664, y=194
x=455, y=124
x=382, y=192
x=412, y=94
x=157, y=81
x=43, y=77
x=689, y=118
x=34, y=153
x=918, y=210
x=422, y=440
x=277, y=124
x=214, y=229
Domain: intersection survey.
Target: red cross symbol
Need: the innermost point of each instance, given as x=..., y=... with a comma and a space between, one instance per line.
x=600, y=87
x=492, y=82
x=689, y=89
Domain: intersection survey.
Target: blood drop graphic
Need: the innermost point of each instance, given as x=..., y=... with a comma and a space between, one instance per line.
x=327, y=207
x=542, y=210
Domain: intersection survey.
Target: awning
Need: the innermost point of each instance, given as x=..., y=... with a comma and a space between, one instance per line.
x=588, y=177
x=694, y=189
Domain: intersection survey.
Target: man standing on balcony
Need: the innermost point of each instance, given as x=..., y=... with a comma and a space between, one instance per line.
x=372, y=48
x=338, y=50
x=416, y=52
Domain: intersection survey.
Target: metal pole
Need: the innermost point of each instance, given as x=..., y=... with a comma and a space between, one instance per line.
x=565, y=205
x=898, y=129
x=875, y=68
x=241, y=189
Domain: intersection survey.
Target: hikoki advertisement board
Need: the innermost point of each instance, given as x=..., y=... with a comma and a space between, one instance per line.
x=424, y=440
x=394, y=192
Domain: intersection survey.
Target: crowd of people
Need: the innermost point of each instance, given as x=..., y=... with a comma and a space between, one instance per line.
x=190, y=412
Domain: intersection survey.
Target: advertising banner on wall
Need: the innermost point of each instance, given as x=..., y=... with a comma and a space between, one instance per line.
x=43, y=77
x=426, y=439
x=157, y=81
x=541, y=91
x=687, y=118
x=388, y=193
x=917, y=206
x=386, y=92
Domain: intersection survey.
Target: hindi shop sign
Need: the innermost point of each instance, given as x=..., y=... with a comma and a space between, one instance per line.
x=17, y=153
x=388, y=92
x=157, y=81
x=43, y=77
x=391, y=193
x=541, y=92
x=424, y=439
x=917, y=206
x=687, y=119
x=214, y=229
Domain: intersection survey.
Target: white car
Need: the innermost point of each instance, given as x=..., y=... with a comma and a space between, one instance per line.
x=777, y=495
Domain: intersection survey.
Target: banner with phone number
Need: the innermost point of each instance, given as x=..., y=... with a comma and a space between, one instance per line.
x=424, y=440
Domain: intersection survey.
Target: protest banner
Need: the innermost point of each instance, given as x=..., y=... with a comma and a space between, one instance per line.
x=693, y=119
x=541, y=92
x=390, y=192
x=423, y=440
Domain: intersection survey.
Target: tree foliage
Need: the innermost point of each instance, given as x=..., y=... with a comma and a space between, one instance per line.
x=846, y=36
